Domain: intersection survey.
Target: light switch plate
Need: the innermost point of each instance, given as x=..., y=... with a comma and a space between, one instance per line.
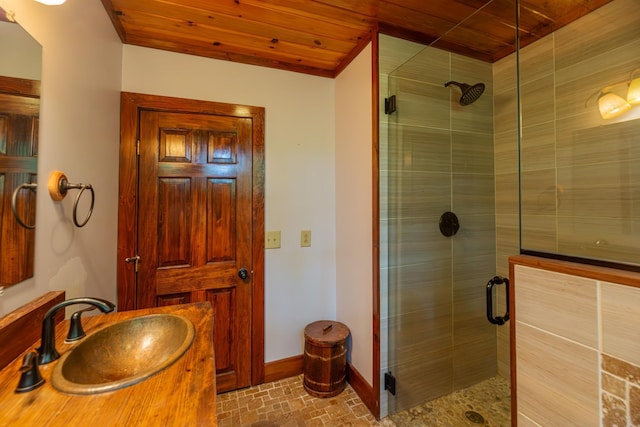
x=305, y=238
x=272, y=240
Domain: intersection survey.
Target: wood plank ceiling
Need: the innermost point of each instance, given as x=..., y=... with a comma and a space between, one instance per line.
x=320, y=37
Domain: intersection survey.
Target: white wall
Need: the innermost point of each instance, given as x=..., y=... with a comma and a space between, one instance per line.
x=354, y=205
x=300, y=175
x=79, y=134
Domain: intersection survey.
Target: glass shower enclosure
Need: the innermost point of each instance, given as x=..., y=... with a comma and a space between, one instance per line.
x=440, y=227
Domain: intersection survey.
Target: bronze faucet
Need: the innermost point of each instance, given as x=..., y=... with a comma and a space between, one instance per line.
x=47, y=352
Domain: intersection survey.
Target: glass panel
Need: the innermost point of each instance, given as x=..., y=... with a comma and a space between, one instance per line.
x=580, y=163
x=439, y=157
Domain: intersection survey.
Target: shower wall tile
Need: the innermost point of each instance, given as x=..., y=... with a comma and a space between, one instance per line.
x=607, y=28
x=423, y=104
x=558, y=371
x=383, y=182
x=558, y=303
x=416, y=241
x=430, y=65
x=621, y=323
x=422, y=332
x=537, y=101
x=536, y=60
x=475, y=238
x=437, y=366
x=504, y=351
x=507, y=241
x=418, y=194
x=476, y=117
x=419, y=287
x=507, y=197
x=504, y=75
x=473, y=196
x=471, y=153
x=599, y=238
x=393, y=52
x=538, y=146
x=579, y=144
x=540, y=232
x=472, y=71
x=420, y=149
x=506, y=152
x=557, y=379
x=505, y=111
x=595, y=191
x=578, y=85
x=539, y=192
x=476, y=366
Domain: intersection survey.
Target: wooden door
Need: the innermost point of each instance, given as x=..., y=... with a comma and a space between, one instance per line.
x=196, y=233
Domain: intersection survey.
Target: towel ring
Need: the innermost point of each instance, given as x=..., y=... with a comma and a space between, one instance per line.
x=14, y=203
x=59, y=185
x=75, y=205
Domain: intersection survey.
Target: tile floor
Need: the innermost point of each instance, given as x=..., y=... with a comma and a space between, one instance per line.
x=285, y=403
x=490, y=398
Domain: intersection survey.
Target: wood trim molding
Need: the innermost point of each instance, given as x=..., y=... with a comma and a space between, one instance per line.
x=283, y=368
x=606, y=274
x=22, y=327
x=512, y=344
x=362, y=388
x=373, y=403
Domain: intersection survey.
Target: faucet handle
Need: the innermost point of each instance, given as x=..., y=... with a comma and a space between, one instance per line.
x=30, y=378
x=75, y=327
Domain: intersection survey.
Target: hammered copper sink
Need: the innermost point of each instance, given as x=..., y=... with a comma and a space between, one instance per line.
x=123, y=354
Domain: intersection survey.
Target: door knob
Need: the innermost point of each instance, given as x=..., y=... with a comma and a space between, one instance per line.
x=243, y=273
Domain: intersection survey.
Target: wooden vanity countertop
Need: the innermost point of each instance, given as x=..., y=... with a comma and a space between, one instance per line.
x=184, y=394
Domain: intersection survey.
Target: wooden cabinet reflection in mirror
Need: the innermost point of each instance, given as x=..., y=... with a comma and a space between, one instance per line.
x=19, y=112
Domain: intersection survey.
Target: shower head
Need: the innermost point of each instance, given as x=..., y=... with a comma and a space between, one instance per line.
x=470, y=94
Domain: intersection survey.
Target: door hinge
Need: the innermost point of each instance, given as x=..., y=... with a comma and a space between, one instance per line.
x=390, y=104
x=137, y=147
x=390, y=383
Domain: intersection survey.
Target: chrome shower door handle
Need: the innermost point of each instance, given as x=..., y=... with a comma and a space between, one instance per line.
x=497, y=320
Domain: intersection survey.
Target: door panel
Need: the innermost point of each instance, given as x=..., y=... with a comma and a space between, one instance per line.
x=195, y=227
x=191, y=205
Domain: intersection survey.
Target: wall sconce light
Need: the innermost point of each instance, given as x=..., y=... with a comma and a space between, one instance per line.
x=610, y=104
x=51, y=2
x=633, y=95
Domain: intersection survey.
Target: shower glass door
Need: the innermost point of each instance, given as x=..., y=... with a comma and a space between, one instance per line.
x=439, y=159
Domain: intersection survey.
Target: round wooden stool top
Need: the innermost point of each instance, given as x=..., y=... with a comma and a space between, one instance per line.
x=326, y=333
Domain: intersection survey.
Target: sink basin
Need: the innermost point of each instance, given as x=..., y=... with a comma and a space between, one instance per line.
x=123, y=354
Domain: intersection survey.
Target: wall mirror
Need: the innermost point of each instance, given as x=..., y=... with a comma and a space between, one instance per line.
x=20, y=71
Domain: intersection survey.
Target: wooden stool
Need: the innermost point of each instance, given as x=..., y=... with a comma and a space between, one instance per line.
x=325, y=358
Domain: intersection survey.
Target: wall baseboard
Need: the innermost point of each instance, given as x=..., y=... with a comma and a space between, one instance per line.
x=283, y=368
x=363, y=390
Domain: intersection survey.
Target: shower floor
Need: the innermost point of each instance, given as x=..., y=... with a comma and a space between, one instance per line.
x=490, y=398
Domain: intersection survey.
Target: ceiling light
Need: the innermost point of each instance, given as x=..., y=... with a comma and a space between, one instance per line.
x=51, y=2
x=633, y=95
x=612, y=105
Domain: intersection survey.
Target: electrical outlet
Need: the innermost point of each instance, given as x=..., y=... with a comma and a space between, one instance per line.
x=305, y=238
x=272, y=240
